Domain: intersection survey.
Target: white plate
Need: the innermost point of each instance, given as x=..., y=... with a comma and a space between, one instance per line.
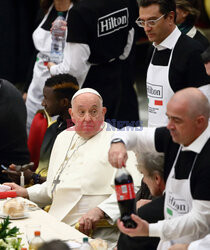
x=29, y=205
x=31, y=208
x=3, y=216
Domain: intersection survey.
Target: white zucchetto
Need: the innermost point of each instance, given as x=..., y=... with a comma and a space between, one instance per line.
x=86, y=90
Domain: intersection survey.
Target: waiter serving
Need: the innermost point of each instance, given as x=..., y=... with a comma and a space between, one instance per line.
x=185, y=143
x=175, y=62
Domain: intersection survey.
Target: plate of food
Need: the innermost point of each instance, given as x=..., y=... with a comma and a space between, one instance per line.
x=14, y=208
x=98, y=244
x=29, y=205
x=25, y=215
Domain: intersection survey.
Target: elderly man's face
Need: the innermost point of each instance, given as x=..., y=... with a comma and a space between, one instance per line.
x=87, y=114
x=162, y=28
x=182, y=126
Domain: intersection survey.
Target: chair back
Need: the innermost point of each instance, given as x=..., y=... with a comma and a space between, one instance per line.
x=39, y=125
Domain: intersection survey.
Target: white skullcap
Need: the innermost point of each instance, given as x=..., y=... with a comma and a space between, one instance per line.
x=86, y=90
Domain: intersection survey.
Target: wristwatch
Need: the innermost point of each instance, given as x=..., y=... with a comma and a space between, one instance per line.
x=36, y=178
x=116, y=140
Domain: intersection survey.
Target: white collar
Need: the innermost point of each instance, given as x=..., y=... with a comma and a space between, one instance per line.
x=198, y=144
x=191, y=33
x=170, y=41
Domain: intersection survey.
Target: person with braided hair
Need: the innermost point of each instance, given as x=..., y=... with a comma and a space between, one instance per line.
x=58, y=91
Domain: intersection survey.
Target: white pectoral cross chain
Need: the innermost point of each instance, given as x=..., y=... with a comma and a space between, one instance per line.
x=55, y=183
x=57, y=180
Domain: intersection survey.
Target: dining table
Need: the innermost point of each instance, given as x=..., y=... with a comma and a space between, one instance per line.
x=50, y=228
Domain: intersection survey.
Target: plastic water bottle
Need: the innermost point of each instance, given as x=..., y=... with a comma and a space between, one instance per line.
x=36, y=242
x=85, y=245
x=22, y=179
x=58, y=39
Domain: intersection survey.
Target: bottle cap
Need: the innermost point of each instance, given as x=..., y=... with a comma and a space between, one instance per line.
x=37, y=233
x=85, y=239
x=60, y=13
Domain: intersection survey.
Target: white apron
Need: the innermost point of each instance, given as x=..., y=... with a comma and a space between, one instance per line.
x=42, y=42
x=159, y=93
x=178, y=201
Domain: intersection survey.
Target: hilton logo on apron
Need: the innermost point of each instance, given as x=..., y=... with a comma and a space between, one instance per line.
x=178, y=205
x=155, y=91
x=112, y=22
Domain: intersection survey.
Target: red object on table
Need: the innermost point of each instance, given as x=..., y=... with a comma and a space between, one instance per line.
x=11, y=194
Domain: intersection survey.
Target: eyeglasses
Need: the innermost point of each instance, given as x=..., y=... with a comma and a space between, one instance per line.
x=149, y=23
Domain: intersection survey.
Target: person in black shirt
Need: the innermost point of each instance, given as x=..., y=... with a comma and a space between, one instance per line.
x=186, y=144
x=186, y=17
x=175, y=60
x=151, y=166
x=13, y=142
x=100, y=35
x=58, y=91
x=206, y=60
x=38, y=71
x=129, y=107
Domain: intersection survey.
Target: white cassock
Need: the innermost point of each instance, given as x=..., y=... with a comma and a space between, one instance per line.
x=85, y=176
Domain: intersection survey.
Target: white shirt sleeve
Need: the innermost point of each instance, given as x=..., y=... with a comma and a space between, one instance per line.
x=129, y=44
x=138, y=139
x=203, y=244
x=38, y=194
x=110, y=207
x=76, y=57
x=195, y=223
x=75, y=62
x=205, y=89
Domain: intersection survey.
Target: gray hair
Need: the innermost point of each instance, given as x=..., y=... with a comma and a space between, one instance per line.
x=151, y=162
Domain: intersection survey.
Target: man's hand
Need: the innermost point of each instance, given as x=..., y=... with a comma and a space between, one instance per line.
x=141, y=203
x=63, y=26
x=179, y=247
x=15, y=175
x=142, y=228
x=87, y=222
x=50, y=64
x=24, y=96
x=20, y=191
x=118, y=154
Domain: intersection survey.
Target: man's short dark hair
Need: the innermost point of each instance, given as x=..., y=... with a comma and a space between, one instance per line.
x=206, y=55
x=166, y=6
x=64, y=85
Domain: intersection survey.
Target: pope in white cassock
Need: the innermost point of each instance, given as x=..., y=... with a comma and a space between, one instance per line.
x=79, y=183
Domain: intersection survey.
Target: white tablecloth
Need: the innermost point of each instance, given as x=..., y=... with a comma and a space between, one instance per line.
x=50, y=227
